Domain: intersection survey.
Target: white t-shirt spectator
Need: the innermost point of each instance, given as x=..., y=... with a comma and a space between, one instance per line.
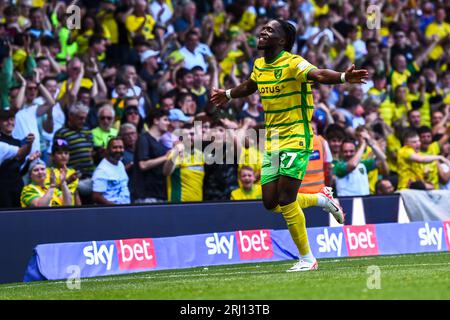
x=112, y=181
x=356, y=182
x=196, y=58
x=155, y=8
x=26, y=122
x=7, y=151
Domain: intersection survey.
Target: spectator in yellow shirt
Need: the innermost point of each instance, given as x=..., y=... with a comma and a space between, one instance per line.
x=439, y=28
x=397, y=108
x=140, y=22
x=430, y=147
x=249, y=190
x=410, y=168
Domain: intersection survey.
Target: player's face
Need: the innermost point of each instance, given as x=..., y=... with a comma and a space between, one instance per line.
x=270, y=35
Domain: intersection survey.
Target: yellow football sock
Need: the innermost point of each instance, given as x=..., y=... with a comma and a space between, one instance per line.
x=306, y=200
x=296, y=223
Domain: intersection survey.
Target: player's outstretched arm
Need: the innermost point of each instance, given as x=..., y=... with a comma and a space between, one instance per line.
x=327, y=76
x=246, y=88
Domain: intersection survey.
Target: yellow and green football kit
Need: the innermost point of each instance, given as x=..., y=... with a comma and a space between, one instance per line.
x=185, y=184
x=288, y=108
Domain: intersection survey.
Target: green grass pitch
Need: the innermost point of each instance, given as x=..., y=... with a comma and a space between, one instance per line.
x=413, y=276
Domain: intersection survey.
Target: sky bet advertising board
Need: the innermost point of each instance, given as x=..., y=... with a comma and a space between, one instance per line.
x=99, y=258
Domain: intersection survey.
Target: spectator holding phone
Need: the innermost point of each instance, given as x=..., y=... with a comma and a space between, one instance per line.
x=11, y=166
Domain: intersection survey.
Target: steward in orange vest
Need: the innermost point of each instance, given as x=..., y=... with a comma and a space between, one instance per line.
x=317, y=172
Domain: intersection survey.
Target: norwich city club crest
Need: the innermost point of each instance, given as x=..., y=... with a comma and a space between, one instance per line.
x=277, y=73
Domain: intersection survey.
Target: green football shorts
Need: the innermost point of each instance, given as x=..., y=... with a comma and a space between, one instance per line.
x=287, y=162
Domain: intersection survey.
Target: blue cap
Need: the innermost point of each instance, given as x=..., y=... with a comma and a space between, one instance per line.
x=178, y=115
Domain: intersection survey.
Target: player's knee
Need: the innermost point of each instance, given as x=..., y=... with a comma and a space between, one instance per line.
x=285, y=199
x=270, y=204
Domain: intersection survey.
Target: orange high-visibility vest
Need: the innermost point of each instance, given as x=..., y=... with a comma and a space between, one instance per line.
x=314, y=179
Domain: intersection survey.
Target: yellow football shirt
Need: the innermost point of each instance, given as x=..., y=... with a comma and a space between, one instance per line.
x=242, y=194
x=287, y=100
x=85, y=83
x=186, y=182
x=32, y=191
x=393, y=145
x=72, y=186
x=372, y=175
x=431, y=168
x=133, y=23
x=440, y=30
x=408, y=171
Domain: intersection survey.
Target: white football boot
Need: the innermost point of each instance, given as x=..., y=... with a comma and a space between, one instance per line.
x=332, y=205
x=303, y=265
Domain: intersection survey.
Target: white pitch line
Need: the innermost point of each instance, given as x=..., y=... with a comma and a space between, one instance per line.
x=189, y=271
x=208, y=274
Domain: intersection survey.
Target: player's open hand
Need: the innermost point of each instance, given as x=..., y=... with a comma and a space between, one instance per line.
x=356, y=76
x=218, y=97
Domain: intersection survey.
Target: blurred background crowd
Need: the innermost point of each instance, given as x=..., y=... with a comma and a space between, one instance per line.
x=93, y=114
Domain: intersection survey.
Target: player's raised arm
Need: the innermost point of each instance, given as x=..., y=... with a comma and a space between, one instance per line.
x=327, y=76
x=220, y=97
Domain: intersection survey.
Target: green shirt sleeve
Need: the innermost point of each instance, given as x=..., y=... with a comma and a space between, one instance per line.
x=30, y=65
x=370, y=164
x=340, y=168
x=6, y=78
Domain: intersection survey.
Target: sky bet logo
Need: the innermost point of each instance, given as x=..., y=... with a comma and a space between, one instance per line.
x=99, y=254
x=361, y=240
x=253, y=244
x=431, y=236
x=131, y=254
x=330, y=242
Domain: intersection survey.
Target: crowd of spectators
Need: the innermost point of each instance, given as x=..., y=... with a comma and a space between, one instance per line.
x=115, y=110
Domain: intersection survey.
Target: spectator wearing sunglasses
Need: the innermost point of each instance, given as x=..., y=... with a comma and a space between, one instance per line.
x=105, y=130
x=132, y=115
x=60, y=158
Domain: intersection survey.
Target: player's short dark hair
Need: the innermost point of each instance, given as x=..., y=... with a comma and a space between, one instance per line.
x=290, y=32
